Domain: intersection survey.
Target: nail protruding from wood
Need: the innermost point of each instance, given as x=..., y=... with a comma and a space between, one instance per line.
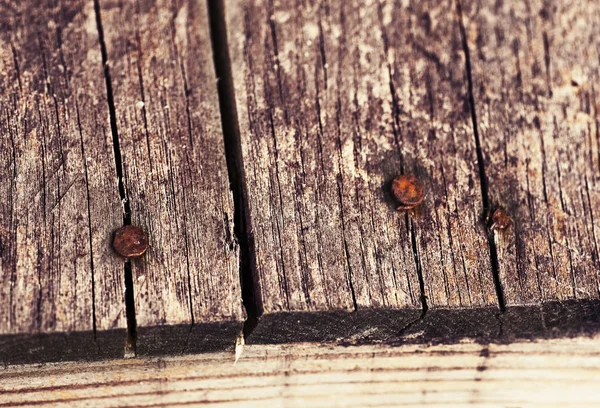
x=500, y=220
x=408, y=191
x=130, y=241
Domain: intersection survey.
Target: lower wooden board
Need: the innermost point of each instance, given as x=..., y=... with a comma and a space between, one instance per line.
x=546, y=373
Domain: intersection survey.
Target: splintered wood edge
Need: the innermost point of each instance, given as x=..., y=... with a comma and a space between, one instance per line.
x=559, y=371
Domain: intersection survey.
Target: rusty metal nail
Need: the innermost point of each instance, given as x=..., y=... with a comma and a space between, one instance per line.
x=130, y=241
x=408, y=190
x=500, y=219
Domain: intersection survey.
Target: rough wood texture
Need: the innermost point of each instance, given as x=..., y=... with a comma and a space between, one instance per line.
x=391, y=327
x=58, y=198
x=490, y=103
x=60, y=201
x=428, y=83
x=173, y=162
x=535, y=71
x=440, y=325
x=314, y=227
x=335, y=101
x=546, y=373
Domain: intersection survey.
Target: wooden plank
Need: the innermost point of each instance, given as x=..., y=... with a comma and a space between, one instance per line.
x=535, y=69
x=428, y=81
x=59, y=203
x=169, y=135
x=335, y=100
x=550, y=373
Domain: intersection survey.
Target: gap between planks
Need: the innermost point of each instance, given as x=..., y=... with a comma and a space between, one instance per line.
x=230, y=130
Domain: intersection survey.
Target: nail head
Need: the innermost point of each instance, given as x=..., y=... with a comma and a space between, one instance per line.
x=130, y=241
x=500, y=219
x=408, y=191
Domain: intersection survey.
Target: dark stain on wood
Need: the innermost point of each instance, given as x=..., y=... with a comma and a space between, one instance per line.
x=377, y=326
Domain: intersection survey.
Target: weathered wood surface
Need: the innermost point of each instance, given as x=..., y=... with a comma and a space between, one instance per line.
x=546, y=373
x=111, y=113
x=335, y=99
x=338, y=99
x=169, y=134
x=59, y=203
x=535, y=69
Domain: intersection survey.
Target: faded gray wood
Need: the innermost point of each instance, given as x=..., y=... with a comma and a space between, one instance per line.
x=535, y=73
x=173, y=161
x=58, y=197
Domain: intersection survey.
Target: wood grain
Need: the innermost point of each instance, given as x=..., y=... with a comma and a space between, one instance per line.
x=59, y=203
x=424, y=56
x=335, y=101
x=169, y=134
x=392, y=327
x=491, y=104
x=535, y=69
x=544, y=373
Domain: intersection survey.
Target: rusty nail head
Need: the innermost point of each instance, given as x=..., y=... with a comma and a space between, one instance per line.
x=130, y=241
x=500, y=219
x=408, y=190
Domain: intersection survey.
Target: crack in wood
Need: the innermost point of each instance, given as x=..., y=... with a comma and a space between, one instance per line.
x=415, y=248
x=130, y=344
x=483, y=181
x=242, y=222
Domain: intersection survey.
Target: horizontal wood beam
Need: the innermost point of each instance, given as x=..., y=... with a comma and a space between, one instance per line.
x=546, y=373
